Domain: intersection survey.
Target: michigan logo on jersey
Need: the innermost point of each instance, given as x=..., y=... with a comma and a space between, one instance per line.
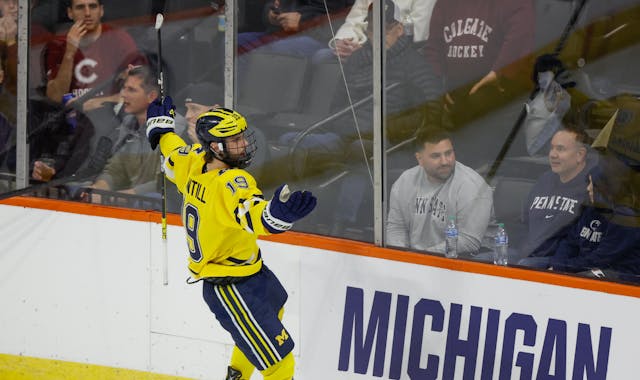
x=282, y=337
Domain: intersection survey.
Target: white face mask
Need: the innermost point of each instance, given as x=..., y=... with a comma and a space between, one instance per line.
x=545, y=79
x=545, y=112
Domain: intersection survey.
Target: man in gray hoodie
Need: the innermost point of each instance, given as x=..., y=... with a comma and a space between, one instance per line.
x=425, y=196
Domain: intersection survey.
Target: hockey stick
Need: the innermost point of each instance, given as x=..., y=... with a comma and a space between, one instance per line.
x=163, y=184
x=523, y=113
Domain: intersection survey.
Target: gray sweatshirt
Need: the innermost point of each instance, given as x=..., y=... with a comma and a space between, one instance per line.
x=419, y=210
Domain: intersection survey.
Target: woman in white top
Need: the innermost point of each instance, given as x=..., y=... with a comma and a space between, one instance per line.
x=414, y=14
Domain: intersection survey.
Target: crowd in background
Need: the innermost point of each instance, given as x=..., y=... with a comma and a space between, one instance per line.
x=560, y=172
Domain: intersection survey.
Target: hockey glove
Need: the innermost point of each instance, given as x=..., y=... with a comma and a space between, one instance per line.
x=160, y=119
x=285, y=208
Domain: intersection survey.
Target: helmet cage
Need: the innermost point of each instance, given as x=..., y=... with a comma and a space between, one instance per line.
x=218, y=126
x=236, y=160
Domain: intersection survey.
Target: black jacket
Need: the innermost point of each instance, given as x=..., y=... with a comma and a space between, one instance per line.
x=312, y=15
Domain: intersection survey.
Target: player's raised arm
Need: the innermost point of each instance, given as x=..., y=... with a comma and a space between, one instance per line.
x=286, y=207
x=224, y=212
x=160, y=121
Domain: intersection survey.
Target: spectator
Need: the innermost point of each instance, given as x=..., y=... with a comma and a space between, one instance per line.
x=58, y=146
x=250, y=14
x=425, y=196
x=7, y=113
x=8, y=81
x=605, y=241
x=198, y=98
x=8, y=60
x=8, y=47
x=73, y=143
x=7, y=131
x=293, y=27
x=415, y=87
x=555, y=200
x=547, y=109
x=352, y=35
x=473, y=46
x=134, y=168
x=8, y=21
x=201, y=97
x=89, y=56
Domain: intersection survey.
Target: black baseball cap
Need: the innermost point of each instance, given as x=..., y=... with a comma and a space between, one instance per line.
x=205, y=93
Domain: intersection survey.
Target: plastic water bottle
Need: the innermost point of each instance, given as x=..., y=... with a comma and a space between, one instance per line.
x=407, y=25
x=222, y=22
x=451, y=236
x=500, y=253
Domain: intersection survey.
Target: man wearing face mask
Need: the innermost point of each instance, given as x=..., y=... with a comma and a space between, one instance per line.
x=552, y=102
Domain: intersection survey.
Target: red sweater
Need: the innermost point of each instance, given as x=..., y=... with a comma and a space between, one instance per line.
x=96, y=63
x=469, y=38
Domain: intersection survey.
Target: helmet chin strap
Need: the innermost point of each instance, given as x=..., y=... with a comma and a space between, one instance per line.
x=223, y=155
x=220, y=148
x=220, y=152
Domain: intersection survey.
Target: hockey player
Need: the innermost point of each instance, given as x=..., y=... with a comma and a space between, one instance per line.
x=223, y=214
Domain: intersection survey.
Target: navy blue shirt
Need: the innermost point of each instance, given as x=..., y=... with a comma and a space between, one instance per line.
x=600, y=240
x=551, y=207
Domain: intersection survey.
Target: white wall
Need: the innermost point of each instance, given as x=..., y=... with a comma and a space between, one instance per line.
x=88, y=289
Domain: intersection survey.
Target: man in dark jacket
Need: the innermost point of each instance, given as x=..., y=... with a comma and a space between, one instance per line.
x=297, y=27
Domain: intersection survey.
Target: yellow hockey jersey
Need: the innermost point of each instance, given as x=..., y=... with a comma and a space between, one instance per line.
x=221, y=212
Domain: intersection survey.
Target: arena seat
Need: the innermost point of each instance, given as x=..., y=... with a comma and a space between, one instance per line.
x=509, y=199
x=271, y=83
